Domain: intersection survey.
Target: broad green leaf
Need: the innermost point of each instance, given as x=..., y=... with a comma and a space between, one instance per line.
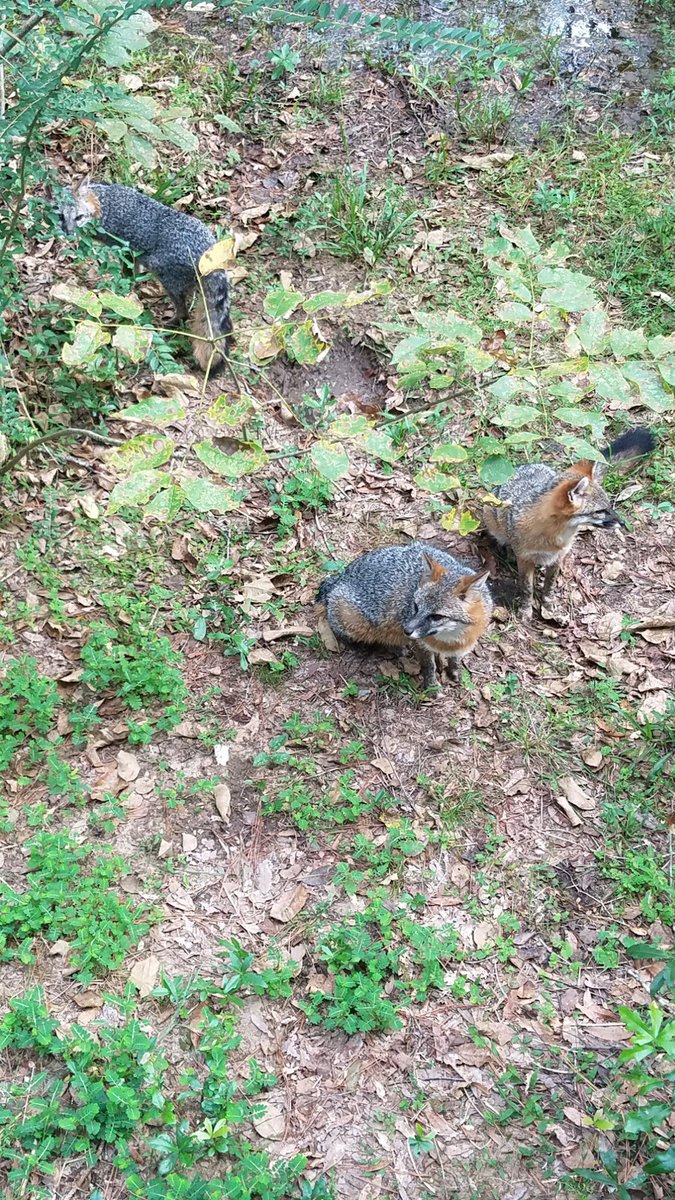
x=512, y=416
x=302, y=344
x=125, y=306
x=644, y=1119
x=476, y=359
x=652, y=394
x=568, y=366
x=230, y=414
x=219, y=257
x=568, y=290
x=89, y=336
x=579, y=417
x=133, y=341
x=566, y=391
x=666, y=368
x=349, y=425
x=627, y=343
x=156, y=410
x=440, y=382
x=407, y=353
x=495, y=469
x=179, y=135
x=431, y=479
x=592, y=331
x=509, y=386
x=137, y=489
x=280, y=302
x=126, y=38
x=523, y=238
x=345, y=299
x=82, y=297
x=609, y=383
x=115, y=128
x=199, y=629
x=140, y=150
x=142, y=452
x=210, y=497
x=242, y=462
x=166, y=504
x=330, y=459
x=449, y=452
x=662, y=1163
x=228, y=123
x=448, y=328
x=514, y=312
x=521, y=438
x=581, y=448
x=468, y=523
x=377, y=442
x=660, y=346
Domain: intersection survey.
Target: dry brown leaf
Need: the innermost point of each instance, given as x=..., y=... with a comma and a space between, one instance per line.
x=271, y=635
x=289, y=903
x=60, y=948
x=484, y=162
x=107, y=782
x=385, y=766
x=164, y=848
x=88, y=1000
x=327, y=636
x=223, y=801
x=272, y=1124
x=144, y=974
x=609, y=626
x=482, y=934
x=571, y=813
x=592, y=758
x=89, y=506
x=128, y=766
x=655, y=704
x=177, y=897
x=576, y=795
x=260, y=656
x=189, y=843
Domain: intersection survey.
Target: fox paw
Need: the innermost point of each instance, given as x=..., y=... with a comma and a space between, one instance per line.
x=525, y=612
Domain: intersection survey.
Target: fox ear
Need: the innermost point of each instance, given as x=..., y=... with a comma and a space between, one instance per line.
x=469, y=583
x=435, y=569
x=583, y=467
x=599, y=471
x=576, y=494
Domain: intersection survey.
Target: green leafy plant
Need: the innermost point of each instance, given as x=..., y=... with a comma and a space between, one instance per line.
x=71, y=894
x=355, y=221
x=284, y=61
x=141, y=668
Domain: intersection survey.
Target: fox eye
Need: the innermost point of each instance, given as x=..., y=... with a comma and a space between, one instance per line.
x=437, y=616
x=414, y=608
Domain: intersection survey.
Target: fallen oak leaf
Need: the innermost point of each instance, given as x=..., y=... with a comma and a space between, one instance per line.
x=576, y=795
x=289, y=904
x=144, y=974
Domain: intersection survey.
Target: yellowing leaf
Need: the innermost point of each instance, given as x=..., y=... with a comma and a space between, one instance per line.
x=241, y=462
x=219, y=257
x=209, y=497
x=133, y=341
x=433, y=480
x=82, y=297
x=330, y=459
x=137, y=489
x=144, y=451
x=265, y=343
x=89, y=337
x=230, y=414
x=156, y=410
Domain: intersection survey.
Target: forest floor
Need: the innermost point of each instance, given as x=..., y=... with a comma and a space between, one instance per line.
x=432, y=1006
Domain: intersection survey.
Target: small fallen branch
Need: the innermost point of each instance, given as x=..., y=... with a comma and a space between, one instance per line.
x=53, y=435
x=658, y=621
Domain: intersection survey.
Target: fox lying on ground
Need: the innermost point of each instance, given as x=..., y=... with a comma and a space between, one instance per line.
x=546, y=510
x=411, y=595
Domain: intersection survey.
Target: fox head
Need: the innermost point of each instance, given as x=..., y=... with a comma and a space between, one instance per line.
x=581, y=502
x=441, y=608
x=79, y=208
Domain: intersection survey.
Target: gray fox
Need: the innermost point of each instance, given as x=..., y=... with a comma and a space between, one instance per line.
x=546, y=509
x=410, y=595
x=170, y=244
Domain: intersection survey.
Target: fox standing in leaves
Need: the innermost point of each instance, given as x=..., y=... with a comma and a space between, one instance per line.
x=411, y=595
x=170, y=244
x=544, y=510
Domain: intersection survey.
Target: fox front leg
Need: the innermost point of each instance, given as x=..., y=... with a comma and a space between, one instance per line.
x=526, y=575
x=550, y=575
x=428, y=664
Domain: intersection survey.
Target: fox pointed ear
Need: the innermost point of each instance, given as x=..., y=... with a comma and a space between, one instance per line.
x=435, y=570
x=469, y=583
x=583, y=467
x=577, y=492
x=599, y=471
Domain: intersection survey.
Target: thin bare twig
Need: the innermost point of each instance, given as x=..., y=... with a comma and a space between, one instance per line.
x=52, y=436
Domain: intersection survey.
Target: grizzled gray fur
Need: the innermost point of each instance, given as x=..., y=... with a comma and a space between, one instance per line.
x=170, y=244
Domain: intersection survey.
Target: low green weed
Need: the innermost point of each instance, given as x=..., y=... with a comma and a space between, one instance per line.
x=303, y=489
x=356, y=221
x=70, y=893
x=142, y=669
x=341, y=804
x=377, y=962
x=28, y=704
x=373, y=863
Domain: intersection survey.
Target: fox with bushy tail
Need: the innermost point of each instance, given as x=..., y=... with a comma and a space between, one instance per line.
x=542, y=510
x=170, y=245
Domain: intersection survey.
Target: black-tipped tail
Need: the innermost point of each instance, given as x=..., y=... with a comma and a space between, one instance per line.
x=631, y=445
